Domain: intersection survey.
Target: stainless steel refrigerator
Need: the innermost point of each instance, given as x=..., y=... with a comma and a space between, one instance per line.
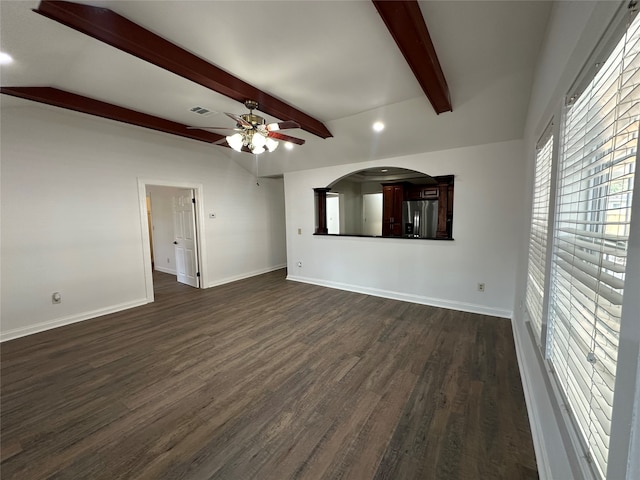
x=420, y=218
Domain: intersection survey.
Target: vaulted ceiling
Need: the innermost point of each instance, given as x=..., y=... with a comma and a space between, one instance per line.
x=334, y=65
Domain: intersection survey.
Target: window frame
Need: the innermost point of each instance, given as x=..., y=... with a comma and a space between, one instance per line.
x=550, y=133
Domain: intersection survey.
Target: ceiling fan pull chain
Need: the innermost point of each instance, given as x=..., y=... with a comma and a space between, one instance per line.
x=257, y=177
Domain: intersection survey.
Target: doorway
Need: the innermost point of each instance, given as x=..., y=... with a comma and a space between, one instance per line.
x=372, y=214
x=333, y=213
x=171, y=232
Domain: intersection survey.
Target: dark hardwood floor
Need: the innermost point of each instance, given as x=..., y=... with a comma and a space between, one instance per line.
x=266, y=379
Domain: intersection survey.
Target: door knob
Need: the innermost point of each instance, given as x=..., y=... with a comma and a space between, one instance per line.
x=175, y=242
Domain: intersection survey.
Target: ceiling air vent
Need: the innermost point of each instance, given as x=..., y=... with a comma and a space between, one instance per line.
x=205, y=112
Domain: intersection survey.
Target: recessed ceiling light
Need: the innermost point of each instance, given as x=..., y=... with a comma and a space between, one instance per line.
x=378, y=126
x=5, y=58
x=288, y=145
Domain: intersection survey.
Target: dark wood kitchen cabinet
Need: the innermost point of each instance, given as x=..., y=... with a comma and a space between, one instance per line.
x=421, y=192
x=445, y=207
x=392, y=197
x=394, y=194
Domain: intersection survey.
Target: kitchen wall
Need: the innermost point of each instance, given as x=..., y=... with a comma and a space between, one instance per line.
x=488, y=206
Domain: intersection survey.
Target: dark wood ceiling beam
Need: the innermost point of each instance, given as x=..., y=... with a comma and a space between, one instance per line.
x=79, y=103
x=123, y=34
x=406, y=24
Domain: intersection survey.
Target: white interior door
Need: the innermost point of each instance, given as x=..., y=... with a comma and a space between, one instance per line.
x=184, y=227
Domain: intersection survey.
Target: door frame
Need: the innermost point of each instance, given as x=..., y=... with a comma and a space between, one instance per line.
x=198, y=192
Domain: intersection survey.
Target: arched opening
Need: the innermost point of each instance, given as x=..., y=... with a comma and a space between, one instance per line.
x=387, y=202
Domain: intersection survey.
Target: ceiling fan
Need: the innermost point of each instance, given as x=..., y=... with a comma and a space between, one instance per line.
x=254, y=135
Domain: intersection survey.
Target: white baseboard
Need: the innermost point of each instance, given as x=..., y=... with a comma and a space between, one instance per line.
x=551, y=455
x=165, y=270
x=242, y=276
x=59, y=322
x=406, y=297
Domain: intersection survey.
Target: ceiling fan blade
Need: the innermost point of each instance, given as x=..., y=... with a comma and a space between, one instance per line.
x=272, y=127
x=239, y=120
x=286, y=138
x=211, y=129
x=222, y=141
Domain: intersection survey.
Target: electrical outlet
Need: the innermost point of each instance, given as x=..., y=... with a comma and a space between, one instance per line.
x=300, y=264
x=481, y=287
x=56, y=297
x=299, y=231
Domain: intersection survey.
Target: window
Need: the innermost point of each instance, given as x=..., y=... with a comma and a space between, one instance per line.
x=592, y=225
x=538, y=233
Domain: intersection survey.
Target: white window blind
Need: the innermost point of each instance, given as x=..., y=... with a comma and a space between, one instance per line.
x=538, y=234
x=593, y=211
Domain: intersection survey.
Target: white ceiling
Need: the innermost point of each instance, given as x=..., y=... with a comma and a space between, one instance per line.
x=334, y=60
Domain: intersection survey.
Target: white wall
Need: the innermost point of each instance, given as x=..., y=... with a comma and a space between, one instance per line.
x=71, y=218
x=574, y=31
x=487, y=207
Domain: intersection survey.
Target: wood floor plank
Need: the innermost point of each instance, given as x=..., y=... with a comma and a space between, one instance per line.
x=266, y=379
x=360, y=459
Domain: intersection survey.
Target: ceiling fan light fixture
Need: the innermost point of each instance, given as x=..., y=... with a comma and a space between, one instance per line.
x=254, y=134
x=258, y=140
x=271, y=144
x=235, y=141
